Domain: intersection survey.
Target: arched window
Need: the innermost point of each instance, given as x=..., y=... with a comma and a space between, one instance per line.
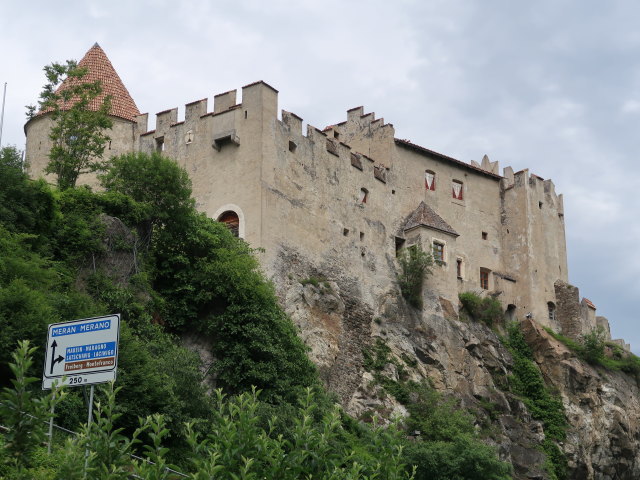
x=457, y=189
x=430, y=180
x=552, y=311
x=232, y=221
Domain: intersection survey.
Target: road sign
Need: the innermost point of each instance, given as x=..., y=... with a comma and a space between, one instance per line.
x=84, y=351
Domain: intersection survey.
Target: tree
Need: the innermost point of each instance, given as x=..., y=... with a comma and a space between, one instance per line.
x=155, y=181
x=78, y=133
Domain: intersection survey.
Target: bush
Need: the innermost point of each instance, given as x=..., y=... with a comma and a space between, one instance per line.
x=448, y=446
x=414, y=265
x=22, y=412
x=487, y=310
x=236, y=443
x=593, y=344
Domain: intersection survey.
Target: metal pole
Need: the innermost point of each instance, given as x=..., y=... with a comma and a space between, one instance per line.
x=4, y=95
x=90, y=417
x=53, y=406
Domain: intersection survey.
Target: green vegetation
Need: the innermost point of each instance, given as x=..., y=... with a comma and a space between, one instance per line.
x=447, y=444
x=486, y=310
x=527, y=382
x=593, y=348
x=234, y=445
x=184, y=273
x=78, y=131
x=320, y=283
x=415, y=264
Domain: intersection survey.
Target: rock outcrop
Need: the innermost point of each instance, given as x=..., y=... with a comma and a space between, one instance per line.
x=466, y=360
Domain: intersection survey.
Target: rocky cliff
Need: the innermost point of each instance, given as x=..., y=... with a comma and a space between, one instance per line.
x=464, y=359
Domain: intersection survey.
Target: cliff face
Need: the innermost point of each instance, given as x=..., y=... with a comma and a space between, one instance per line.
x=602, y=407
x=466, y=360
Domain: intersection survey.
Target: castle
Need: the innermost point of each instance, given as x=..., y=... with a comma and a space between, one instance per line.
x=347, y=198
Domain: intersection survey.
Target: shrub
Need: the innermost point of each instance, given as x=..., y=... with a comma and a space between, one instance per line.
x=414, y=265
x=486, y=310
x=593, y=344
x=22, y=412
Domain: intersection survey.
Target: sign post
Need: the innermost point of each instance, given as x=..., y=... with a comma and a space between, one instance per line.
x=81, y=352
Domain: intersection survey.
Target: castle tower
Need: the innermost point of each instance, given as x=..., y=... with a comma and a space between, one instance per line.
x=123, y=112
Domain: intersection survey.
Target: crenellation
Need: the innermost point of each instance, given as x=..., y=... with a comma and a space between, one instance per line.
x=508, y=177
x=293, y=121
x=193, y=111
x=165, y=119
x=315, y=134
x=224, y=101
x=142, y=122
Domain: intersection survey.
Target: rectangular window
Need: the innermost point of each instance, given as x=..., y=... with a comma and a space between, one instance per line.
x=430, y=180
x=484, y=279
x=459, y=267
x=457, y=190
x=438, y=252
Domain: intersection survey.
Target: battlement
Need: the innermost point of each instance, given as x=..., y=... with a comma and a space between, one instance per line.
x=258, y=96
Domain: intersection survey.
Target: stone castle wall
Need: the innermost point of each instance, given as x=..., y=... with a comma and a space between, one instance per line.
x=304, y=191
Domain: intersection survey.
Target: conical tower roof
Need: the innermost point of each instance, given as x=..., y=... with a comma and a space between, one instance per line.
x=99, y=67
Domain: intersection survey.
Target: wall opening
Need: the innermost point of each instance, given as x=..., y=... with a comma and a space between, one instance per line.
x=484, y=278
x=551, y=309
x=399, y=244
x=361, y=236
x=345, y=231
x=457, y=190
x=510, y=313
x=459, y=268
x=160, y=144
x=232, y=221
x=485, y=235
x=438, y=252
x=364, y=195
x=430, y=180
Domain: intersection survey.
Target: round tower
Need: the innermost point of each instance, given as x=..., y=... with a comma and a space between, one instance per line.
x=123, y=113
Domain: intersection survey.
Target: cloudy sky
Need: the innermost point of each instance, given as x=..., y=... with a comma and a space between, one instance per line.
x=553, y=86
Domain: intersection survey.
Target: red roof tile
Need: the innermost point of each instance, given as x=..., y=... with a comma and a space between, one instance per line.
x=99, y=67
